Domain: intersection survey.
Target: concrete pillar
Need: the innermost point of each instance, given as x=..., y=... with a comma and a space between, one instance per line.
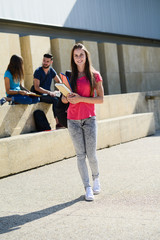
x=140, y=68
x=33, y=48
x=9, y=45
x=92, y=47
x=61, y=50
x=151, y=75
x=109, y=68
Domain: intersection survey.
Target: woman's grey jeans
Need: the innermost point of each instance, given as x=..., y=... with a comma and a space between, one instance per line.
x=84, y=137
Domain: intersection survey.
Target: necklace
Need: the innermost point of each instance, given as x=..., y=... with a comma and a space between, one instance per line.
x=81, y=74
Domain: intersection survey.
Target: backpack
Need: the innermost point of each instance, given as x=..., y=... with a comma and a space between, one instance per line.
x=41, y=121
x=61, y=108
x=61, y=111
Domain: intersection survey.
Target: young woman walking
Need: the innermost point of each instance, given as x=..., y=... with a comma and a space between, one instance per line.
x=81, y=116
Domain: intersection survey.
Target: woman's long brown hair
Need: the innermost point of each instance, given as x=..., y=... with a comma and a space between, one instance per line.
x=87, y=70
x=16, y=68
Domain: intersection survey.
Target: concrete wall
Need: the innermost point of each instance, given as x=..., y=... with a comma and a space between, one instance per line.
x=109, y=68
x=28, y=151
x=9, y=45
x=122, y=117
x=139, y=68
x=61, y=50
x=33, y=48
x=124, y=68
x=92, y=47
x=18, y=119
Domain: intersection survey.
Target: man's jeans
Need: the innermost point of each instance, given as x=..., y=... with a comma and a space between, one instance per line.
x=84, y=137
x=52, y=100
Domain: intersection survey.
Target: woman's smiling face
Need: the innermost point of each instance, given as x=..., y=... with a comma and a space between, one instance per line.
x=79, y=57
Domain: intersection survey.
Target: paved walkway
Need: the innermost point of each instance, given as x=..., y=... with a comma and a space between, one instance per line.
x=48, y=203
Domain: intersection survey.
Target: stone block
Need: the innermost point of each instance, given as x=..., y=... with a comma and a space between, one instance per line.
x=28, y=80
x=5, y=168
x=136, y=126
x=103, y=110
x=140, y=68
x=61, y=50
x=114, y=85
x=151, y=81
x=9, y=45
x=18, y=119
x=2, y=86
x=109, y=67
x=121, y=105
x=134, y=82
x=92, y=47
x=154, y=106
x=27, y=151
x=108, y=133
x=33, y=48
x=152, y=59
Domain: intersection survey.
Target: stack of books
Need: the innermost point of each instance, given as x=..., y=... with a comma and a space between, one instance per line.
x=65, y=86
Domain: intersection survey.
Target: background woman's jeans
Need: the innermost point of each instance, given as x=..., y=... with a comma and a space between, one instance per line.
x=23, y=99
x=84, y=137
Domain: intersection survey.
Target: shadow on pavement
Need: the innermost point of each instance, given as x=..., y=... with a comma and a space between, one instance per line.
x=13, y=222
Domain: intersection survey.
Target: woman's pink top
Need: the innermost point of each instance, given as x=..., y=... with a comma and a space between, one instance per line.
x=83, y=110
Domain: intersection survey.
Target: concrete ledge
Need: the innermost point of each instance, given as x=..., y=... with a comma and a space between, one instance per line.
x=18, y=119
x=27, y=151
x=124, y=129
x=129, y=103
x=121, y=105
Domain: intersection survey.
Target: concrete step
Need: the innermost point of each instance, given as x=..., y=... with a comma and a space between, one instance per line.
x=123, y=129
x=121, y=105
x=18, y=119
x=27, y=151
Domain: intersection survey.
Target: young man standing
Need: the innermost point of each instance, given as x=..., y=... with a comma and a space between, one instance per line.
x=43, y=77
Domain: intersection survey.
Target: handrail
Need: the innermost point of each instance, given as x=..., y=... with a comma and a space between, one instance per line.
x=152, y=97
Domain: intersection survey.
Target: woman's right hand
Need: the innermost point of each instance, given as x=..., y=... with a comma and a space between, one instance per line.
x=74, y=98
x=64, y=99
x=22, y=92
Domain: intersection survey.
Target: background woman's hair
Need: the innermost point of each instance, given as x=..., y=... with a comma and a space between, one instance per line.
x=88, y=69
x=16, y=68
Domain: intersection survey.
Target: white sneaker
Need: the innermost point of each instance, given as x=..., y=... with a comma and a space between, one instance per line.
x=89, y=194
x=96, y=186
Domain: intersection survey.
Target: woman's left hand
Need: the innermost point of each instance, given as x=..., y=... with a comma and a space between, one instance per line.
x=73, y=98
